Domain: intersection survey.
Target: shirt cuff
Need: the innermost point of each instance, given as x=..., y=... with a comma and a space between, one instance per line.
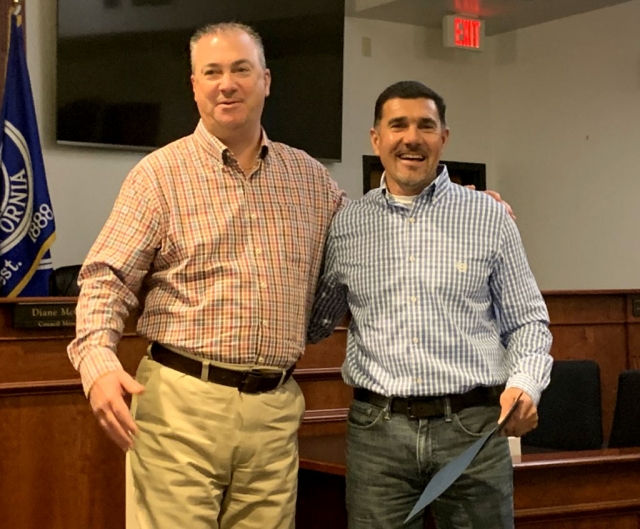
x=95, y=365
x=527, y=384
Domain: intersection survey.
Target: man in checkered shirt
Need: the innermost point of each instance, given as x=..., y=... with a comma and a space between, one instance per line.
x=448, y=328
x=223, y=231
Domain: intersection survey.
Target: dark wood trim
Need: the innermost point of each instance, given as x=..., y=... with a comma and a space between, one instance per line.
x=326, y=415
x=324, y=467
x=582, y=509
x=604, y=292
x=318, y=373
x=578, y=459
x=59, y=333
x=583, y=323
x=40, y=387
x=13, y=301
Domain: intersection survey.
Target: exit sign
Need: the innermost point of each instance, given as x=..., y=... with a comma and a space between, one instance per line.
x=463, y=32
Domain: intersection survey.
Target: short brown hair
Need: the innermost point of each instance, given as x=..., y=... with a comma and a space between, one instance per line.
x=409, y=90
x=225, y=27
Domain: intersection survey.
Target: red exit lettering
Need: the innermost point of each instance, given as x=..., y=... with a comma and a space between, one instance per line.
x=467, y=33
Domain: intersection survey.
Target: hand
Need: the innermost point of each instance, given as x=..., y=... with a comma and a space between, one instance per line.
x=109, y=407
x=496, y=196
x=524, y=418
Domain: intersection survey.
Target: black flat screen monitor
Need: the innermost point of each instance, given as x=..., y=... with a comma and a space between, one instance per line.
x=462, y=173
x=123, y=70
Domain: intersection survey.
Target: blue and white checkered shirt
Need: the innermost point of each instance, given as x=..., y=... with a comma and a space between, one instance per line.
x=441, y=295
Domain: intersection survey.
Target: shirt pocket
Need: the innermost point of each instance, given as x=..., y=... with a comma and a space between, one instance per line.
x=297, y=233
x=462, y=274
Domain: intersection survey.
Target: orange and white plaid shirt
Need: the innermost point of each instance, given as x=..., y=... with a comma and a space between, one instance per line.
x=224, y=264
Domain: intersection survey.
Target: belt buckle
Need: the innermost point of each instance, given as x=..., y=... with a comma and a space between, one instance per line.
x=250, y=382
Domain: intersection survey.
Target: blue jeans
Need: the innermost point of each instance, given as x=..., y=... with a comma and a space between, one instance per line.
x=391, y=458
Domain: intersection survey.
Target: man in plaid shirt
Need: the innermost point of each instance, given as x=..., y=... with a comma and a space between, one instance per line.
x=224, y=231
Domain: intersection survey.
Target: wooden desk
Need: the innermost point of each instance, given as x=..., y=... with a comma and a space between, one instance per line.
x=58, y=470
x=564, y=490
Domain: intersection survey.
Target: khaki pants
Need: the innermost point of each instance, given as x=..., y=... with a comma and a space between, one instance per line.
x=210, y=457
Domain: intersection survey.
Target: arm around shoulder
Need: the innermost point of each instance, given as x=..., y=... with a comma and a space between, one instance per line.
x=330, y=304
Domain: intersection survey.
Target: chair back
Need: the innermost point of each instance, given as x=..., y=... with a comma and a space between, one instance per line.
x=570, y=409
x=63, y=281
x=625, y=430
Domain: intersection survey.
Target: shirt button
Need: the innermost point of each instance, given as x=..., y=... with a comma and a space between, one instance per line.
x=254, y=216
x=412, y=258
x=414, y=299
x=260, y=360
x=412, y=220
x=263, y=285
x=418, y=381
x=258, y=251
x=415, y=340
x=265, y=322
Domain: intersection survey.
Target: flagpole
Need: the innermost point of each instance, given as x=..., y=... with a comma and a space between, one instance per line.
x=16, y=10
x=13, y=10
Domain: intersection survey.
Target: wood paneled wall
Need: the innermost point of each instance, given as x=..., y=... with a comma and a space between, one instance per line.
x=58, y=470
x=598, y=326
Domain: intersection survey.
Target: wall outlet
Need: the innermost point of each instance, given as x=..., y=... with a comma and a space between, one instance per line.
x=366, y=46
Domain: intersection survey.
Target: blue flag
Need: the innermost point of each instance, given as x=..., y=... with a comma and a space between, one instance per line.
x=27, y=226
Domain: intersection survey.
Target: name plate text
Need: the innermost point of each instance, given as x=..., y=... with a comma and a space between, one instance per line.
x=32, y=315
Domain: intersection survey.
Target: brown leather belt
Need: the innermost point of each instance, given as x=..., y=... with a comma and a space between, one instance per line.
x=426, y=407
x=247, y=381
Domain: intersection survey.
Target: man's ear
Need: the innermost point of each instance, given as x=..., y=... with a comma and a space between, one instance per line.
x=375, y=140
x=267, y=82
x=445, y=136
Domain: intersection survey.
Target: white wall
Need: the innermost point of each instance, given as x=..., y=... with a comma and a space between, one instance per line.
x=554, y=111
x=401, y=52
x=566, y=129
x=84, y=182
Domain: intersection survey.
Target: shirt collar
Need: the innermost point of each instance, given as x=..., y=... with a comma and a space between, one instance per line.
x=219, y=150
x=434, y=191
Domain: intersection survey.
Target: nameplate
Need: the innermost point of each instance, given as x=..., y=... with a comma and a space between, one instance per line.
x=44, y=315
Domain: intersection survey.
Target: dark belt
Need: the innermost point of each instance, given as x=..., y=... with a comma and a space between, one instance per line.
x=247, y=381
x=425, y=407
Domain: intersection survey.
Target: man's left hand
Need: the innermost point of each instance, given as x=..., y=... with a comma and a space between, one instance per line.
x=496, y=196
x=524, y=418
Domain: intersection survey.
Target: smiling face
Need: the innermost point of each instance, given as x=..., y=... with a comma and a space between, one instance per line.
x=409, y=139
x=229, y=82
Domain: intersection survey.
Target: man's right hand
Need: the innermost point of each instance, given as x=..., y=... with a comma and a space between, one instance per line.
x=106, y=398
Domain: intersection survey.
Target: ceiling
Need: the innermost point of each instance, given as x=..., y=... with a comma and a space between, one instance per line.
x=500, y=15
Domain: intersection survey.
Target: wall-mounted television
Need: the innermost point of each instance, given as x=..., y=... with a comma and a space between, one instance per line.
x=122, y=75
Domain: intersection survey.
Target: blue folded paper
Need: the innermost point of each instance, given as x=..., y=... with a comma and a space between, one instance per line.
x=447, y=475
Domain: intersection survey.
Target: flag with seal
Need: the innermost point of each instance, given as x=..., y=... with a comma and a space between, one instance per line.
x=27, y=226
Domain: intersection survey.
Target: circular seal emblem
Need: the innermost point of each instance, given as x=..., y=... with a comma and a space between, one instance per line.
x=16, y=202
